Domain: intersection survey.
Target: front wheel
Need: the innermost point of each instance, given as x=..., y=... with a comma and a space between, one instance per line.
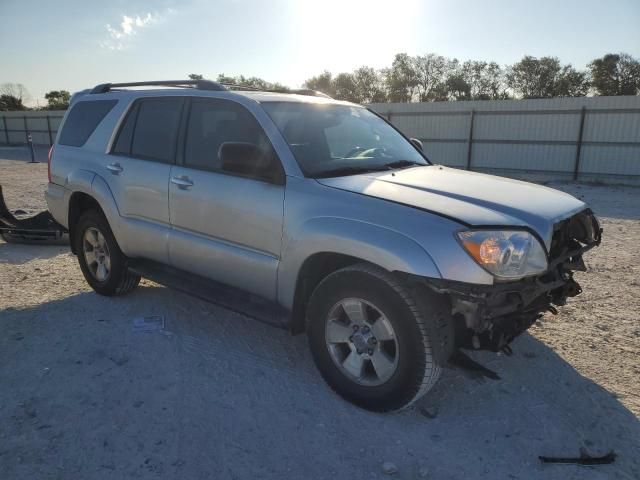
x=370, y=340
x=102, y=262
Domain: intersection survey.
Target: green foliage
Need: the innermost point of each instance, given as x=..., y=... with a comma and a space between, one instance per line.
x=616, y=74
x=12, y=97
x=545, y=78
x=195, y=76
x=9, y=103
x=251, y=82
x=57, y=99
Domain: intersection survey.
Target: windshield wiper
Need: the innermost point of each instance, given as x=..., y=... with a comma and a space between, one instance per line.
x=344, y=171
x=403, y=163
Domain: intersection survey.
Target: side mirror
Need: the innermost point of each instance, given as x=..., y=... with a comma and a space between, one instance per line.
x=248, y=159
x=417, y=143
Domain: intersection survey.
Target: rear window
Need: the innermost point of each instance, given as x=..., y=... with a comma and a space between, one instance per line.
x=82, y=120
x=150, y=130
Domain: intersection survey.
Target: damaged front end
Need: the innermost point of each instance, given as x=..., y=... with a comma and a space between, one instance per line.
x=490, y=317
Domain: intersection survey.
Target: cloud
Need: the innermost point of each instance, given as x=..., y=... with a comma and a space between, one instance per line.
x=119, y=36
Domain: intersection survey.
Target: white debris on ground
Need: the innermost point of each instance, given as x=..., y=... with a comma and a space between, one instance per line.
x=84, y=395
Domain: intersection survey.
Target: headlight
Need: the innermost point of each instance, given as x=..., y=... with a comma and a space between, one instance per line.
x=507, y=254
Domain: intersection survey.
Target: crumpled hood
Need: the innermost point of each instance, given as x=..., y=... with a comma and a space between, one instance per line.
x=472, y=198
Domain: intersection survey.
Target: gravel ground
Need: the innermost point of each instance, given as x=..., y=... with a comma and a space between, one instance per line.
x=85, y=394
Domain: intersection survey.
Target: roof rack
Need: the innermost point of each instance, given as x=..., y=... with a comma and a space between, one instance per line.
x=199, y=84
x=202, y=85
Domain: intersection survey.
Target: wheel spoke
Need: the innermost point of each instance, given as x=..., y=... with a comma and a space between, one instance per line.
x=100, y=239
x=90, y=257
x=382, y=329
x=101, y=272
x=338, y=332
x=382, y=364
x=353, y=364
x=107, y=262
x=355, y=310
x=91, y=238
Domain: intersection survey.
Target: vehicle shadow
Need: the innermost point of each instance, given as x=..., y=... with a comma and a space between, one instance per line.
x=19, y=253
x=209, y=393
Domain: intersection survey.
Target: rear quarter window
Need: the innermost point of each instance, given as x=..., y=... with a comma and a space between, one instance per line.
x=82, y=120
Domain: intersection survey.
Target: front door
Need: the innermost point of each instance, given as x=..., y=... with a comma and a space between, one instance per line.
x=225, y=226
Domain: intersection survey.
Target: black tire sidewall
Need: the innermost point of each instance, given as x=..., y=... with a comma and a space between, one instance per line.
x=118, y=271
x=404, y=385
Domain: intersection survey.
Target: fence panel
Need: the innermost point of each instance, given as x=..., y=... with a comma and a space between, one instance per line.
x=595, y=138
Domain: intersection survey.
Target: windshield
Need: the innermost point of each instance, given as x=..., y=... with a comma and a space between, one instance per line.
x=336, y=140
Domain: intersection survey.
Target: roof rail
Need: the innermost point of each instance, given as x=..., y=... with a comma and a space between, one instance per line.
x=202, y=85
x=199, y=84
x=300, y=91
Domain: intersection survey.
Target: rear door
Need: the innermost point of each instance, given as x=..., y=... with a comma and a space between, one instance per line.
x=227, y=227
x=137, y=171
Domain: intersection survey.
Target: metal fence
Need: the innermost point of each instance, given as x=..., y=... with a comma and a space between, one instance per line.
x=591, y=139
x=43, y=126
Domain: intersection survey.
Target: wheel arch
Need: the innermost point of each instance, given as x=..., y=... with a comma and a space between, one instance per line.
x=327, y=244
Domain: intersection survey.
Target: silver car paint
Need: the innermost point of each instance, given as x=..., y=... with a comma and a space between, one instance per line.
x=257, y=236
x=474, y=198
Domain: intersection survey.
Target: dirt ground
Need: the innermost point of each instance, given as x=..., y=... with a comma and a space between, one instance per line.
x=85, y=394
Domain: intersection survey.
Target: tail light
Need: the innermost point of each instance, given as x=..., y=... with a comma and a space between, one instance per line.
x=49, y=163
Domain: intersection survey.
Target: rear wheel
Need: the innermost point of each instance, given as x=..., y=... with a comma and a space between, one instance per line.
x=102, y=262
x=370, y=340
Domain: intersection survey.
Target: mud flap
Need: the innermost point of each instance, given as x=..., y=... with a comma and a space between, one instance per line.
x=40, y=229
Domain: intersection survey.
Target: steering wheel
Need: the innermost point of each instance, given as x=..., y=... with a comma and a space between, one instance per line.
x=353, y=151
x=374, y=152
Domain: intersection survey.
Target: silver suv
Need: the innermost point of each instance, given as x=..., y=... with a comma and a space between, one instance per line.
x=313, y=214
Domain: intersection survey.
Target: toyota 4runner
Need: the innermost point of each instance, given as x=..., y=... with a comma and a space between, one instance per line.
x=314, y=214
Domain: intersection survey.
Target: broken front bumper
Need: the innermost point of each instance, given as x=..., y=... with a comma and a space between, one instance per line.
x=489, y=317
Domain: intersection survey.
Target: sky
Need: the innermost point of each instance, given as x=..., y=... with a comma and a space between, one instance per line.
x=76, y=44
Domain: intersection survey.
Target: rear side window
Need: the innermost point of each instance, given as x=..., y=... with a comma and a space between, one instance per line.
x=150, y=130
x=82, y=120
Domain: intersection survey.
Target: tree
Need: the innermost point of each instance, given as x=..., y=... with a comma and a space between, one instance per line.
x=615, y=74
x=195, y=76
x=57, y=99
x=251, y=82
x=369, y=86
x=545, y=78
x=345, y=87
x=486, y=80
x=457, y=87
x=322, y=83
x=431, y=73
x=401, y=79
x=9, y=103
x=572, y=83
x=13, y=96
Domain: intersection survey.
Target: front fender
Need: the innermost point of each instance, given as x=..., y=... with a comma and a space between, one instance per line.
x=372, y=243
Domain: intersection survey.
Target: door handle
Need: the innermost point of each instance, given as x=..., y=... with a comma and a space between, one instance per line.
x=182, y=182
x=115, y=168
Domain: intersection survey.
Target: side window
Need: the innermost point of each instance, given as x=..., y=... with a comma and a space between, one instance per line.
x=150, y=130
x=82, y=120
x=214, y=122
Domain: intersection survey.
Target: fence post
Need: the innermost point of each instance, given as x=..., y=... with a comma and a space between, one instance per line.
x=49, y=130
x=389, y=115
x=26, y=129
x=6, y=132
x=576, y=164
x=470, y=139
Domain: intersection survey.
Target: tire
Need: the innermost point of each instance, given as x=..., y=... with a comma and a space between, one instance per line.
x=416, y=367
x=118, y=280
